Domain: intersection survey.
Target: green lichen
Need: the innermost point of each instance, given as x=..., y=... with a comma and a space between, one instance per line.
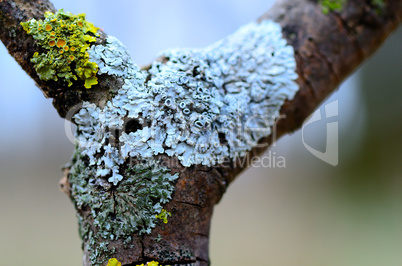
x=118, y=211
x=378, y=3
x=337, y=5
x=331, y=5
x=67, y=38
x=379, y=6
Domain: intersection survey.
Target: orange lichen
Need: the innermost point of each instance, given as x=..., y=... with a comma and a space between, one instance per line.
x=48, y=27
x=61, y=43
x=66, y=48
x=52, y=43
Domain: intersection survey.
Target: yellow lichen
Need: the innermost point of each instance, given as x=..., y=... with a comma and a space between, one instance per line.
x=67, y=47
x=90, y=81
x=163, y=215
x=113, y=262
x=151, y=263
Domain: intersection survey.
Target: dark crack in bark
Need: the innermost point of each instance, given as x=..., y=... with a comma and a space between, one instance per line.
x=331, y=70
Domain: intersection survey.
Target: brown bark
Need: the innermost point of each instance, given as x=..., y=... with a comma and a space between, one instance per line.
x=328, y=48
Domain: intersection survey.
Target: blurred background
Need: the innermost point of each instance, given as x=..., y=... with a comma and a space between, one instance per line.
x=308, y=213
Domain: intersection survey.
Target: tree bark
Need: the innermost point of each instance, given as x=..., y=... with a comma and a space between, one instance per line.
x=328, y=48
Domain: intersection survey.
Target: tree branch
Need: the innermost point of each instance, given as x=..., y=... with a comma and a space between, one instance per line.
x=22, y=47
x=327, y=48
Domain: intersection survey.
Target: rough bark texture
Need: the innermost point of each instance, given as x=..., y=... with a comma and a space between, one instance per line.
x=328, y=48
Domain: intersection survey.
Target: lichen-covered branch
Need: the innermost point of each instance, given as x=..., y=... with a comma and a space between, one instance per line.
x=23, y=46
x=329, y=47
x=158, y=146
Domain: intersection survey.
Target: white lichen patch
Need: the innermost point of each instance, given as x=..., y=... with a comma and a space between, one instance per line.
x=201, y=105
